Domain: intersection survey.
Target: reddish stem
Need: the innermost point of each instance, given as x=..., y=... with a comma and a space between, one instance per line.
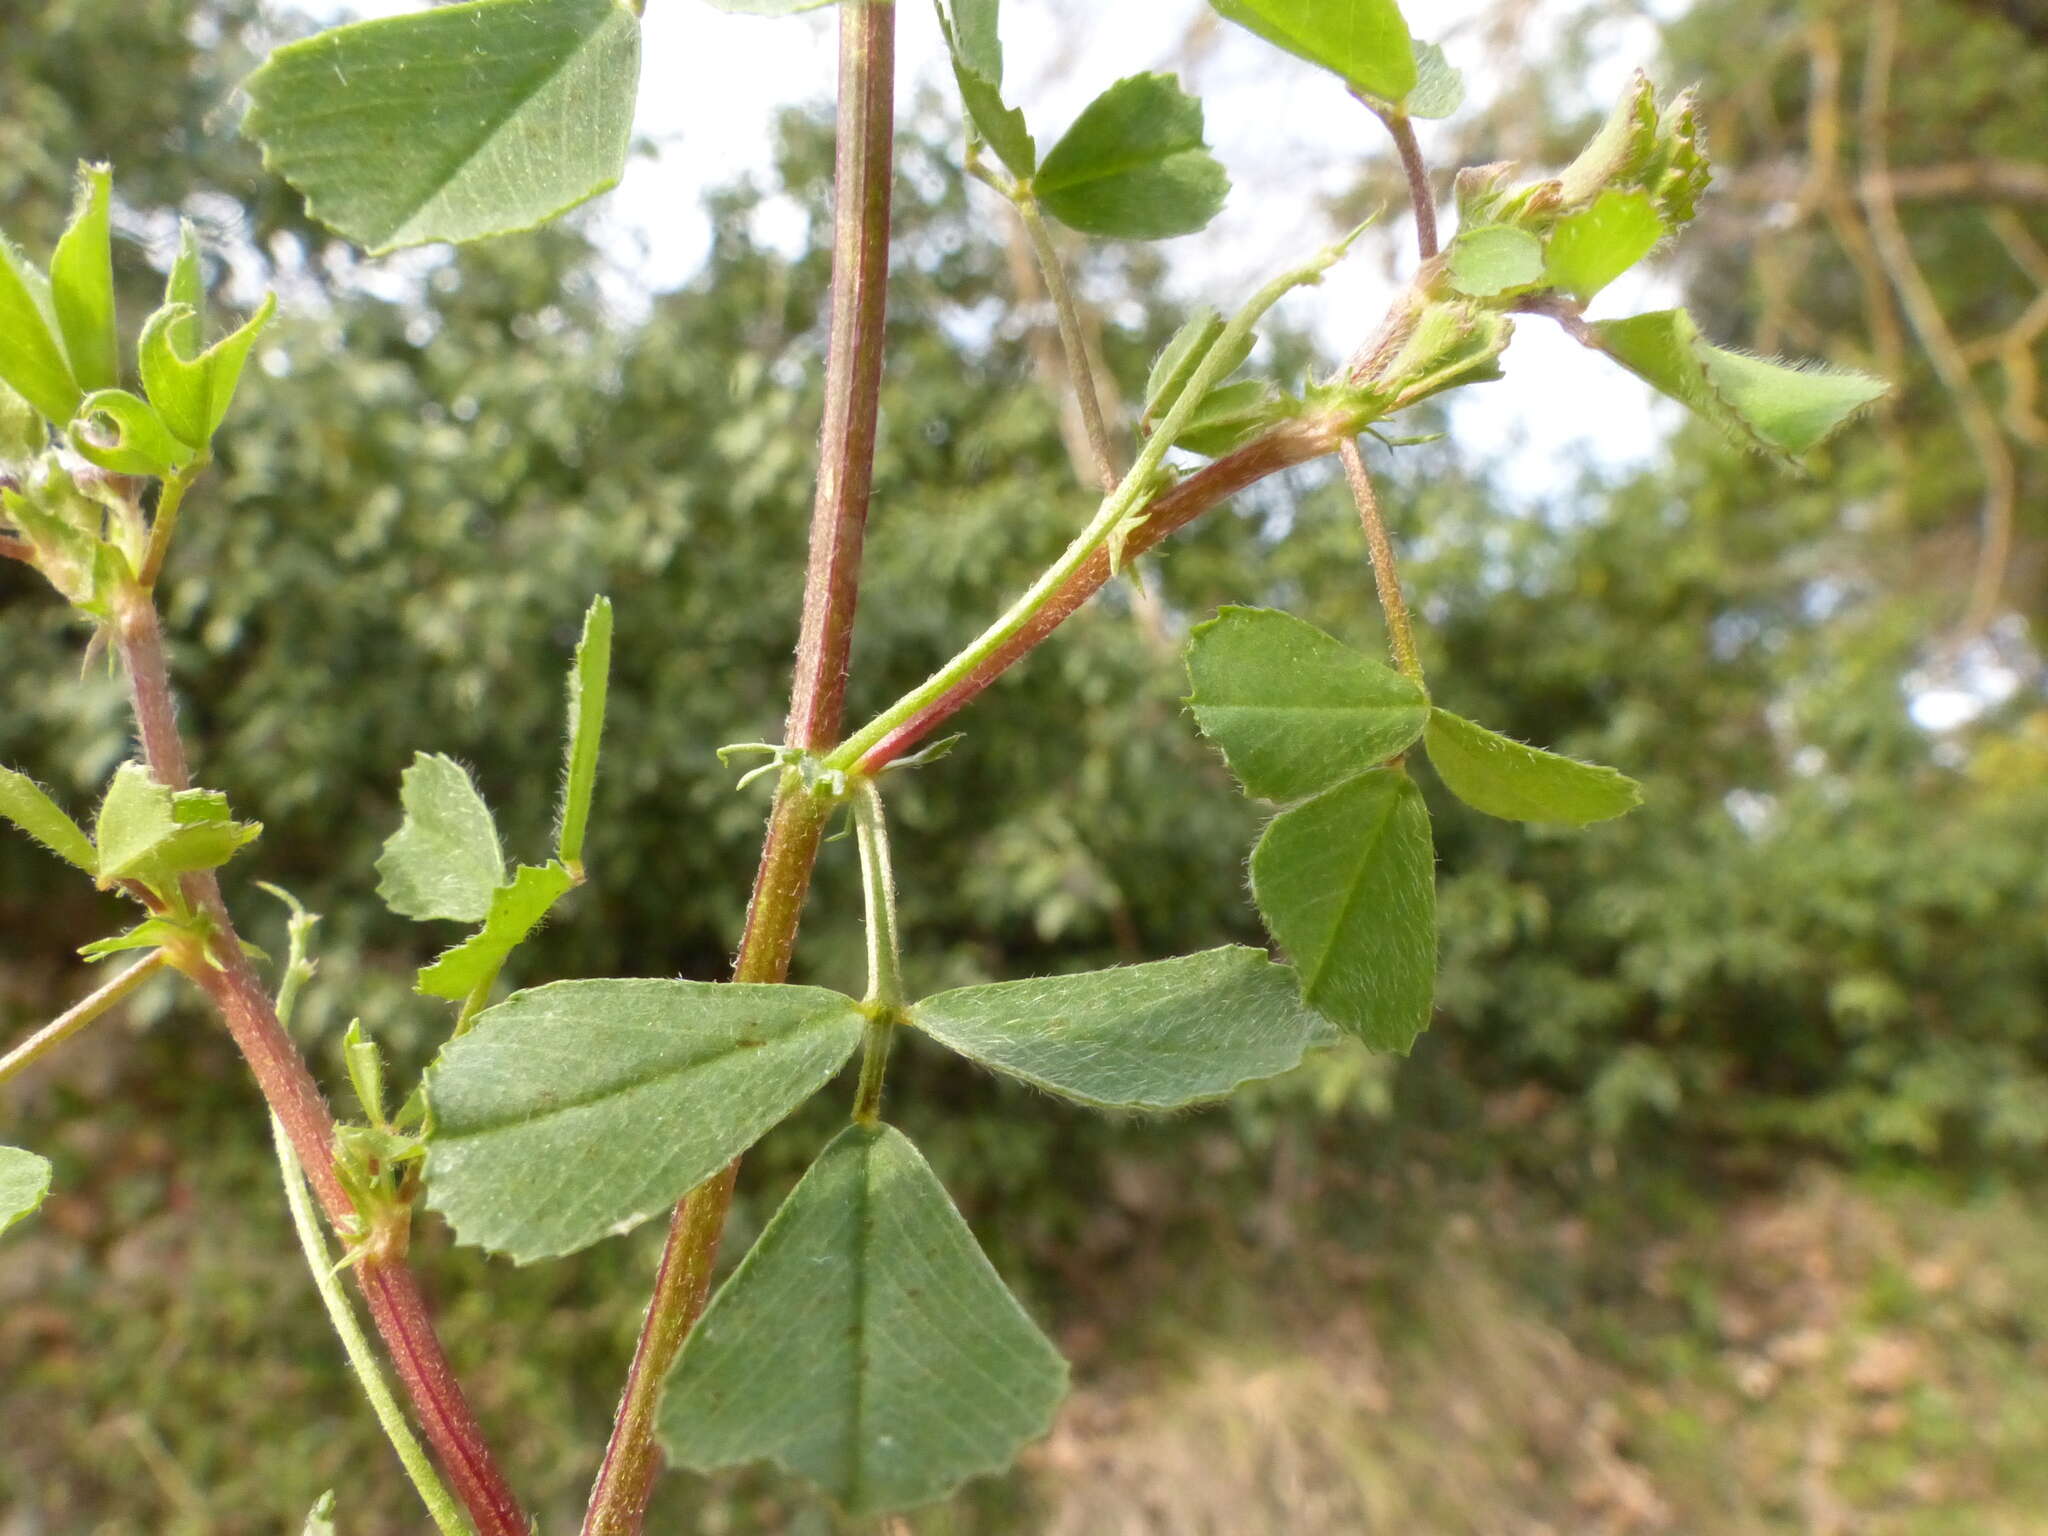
x=1286, y=446
x=395, y=1302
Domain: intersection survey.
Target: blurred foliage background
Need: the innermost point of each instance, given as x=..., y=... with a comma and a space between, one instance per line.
x=1710, y=1201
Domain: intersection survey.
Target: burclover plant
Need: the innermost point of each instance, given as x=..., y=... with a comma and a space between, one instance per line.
x=864, y=1343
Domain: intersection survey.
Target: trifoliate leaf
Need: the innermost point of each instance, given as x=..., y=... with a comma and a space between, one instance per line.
x=147, y=832
x=1493, y=259
x=1134, y=165
x=516, y=910
x=589, y=679
x=1589, y=249
x=82, y=283
x=29, y=806
x=32, y=359
x=193, y=394
x=1152, y=1036
x=24, y=1182
x=1781, y=410
x=444, y=860
x=919, y=1368
x=1504, y=778
x=580, y=1109
x=1294, y=710
x=452, y=123
x=1363, y=42
x=1347, y=884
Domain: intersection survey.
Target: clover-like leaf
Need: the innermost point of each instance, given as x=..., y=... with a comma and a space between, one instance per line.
x=516, y=910
x=1589, y=249
x=148, y=832
x=1154, y=1036
x=1504, y=778
x=32, y=359
x=577, y=1110
x=1347, y=884
x=1439, y=89
x=1363, y=42
x=1294, y=710
x=977, y=57
x=1780, y=410
x=1494, y=259
x=1134, y=166
x=455, y=122
x=134, y=440
x=444, y=860
x=919, y=1368
x=29, y=806
x=192, y=394
x=24, y=1182
x=82, y=283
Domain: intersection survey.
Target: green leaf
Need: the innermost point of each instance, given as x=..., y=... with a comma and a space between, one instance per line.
x=1347, y=883
x=23, y=432
x=147, y=832
x=187, y=286
x=1231, y=415
x=1494, y=259
x=32, y=360
x=1139, y=1037
x=577, y=1110
x=25, y=803
x=1182, y=355
x=24, y=1181
x=320, y=1518
x=1591, y=248
x=589, y=679
x=516, y=910
x=1134, y=165
x=1294, y=710
x=140, y=442
x=82, y=283
x=1363, y=42
x=978, y=67
x=444, y=860
x=1503, y=778
x=452, y=123
x=1439, y=89
x=1783, y=411
x=918, y=1370
x=193, y=394
x=150, y=933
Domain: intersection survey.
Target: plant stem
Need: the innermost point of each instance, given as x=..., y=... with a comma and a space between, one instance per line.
x=362, y=1358
x=1137, y=488
x=1420, y=194
x=878, y=888
x=1080, y=376
x=78, y=1015
x=165, y=523
x=863, y=168
x=1292, y=443
x=1386, y=576
x=396, y=1304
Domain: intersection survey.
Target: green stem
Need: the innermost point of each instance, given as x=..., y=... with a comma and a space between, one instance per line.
x=165, y=524
x=1079, y=375
x=1386, y=576
x=878, y=888
x=362, y=1359
x=1137, y=487
x=80, y=1014
x=479, y=998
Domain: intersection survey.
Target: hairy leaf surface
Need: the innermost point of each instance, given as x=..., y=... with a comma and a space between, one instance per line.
x=578, y=1110
x=1134, y=166
x=29, y=806
x=865, y=1343
x=444, y=860
x=1504, y=778
x=24, y=1181
x=516, y=910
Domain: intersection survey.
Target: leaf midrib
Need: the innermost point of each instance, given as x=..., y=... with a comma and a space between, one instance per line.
x=1355, y=885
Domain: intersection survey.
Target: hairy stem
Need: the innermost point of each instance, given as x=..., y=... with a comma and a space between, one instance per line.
x=1080, y=376
x=78, y=1015
x=1385, y=574
x=863, y=169
x=392, y=1293
x=165, y=524
x=878, y=888
x=1421, y=196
